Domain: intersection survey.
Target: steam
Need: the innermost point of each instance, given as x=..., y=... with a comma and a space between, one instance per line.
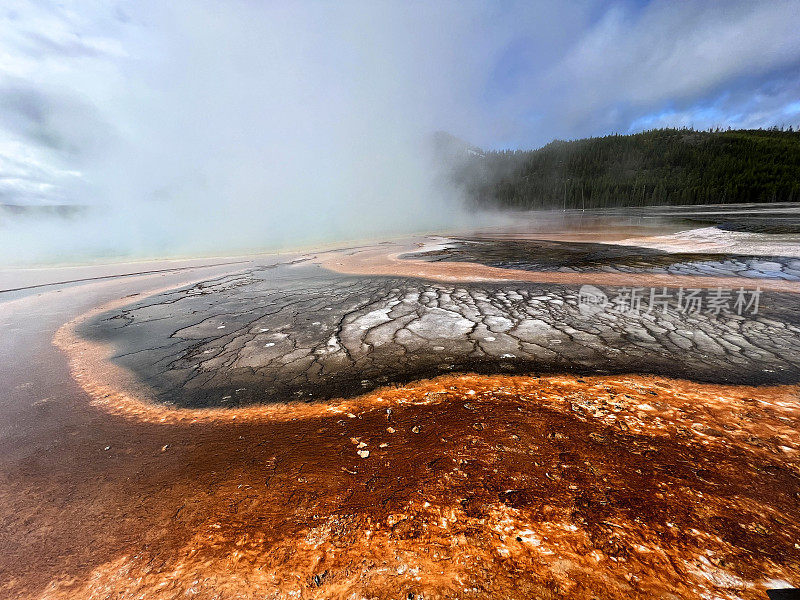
x=217, y=128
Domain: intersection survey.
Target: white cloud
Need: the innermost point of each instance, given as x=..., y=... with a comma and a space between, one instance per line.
x=635, y=62
x=679, y=50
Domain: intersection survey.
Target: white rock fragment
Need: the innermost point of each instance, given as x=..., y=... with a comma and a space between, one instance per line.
x=363, y=453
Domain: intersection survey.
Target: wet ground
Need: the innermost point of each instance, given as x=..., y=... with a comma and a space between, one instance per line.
x=300, y=427
x=774, y=218
x=583, y=257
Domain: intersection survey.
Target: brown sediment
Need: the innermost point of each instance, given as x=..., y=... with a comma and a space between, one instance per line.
x=380, y=262
x=474, y=487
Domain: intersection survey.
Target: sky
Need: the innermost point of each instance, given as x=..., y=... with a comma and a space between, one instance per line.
x=195, y=126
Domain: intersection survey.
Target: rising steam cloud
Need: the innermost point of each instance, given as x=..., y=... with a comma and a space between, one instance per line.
x=204, y=127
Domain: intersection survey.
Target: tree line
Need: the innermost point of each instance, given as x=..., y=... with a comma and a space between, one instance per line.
x=657, y=167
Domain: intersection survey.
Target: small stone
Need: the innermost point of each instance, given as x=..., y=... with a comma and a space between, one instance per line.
x=164, y=447
x=363, y=453
x=416, y=429
x=390, y=429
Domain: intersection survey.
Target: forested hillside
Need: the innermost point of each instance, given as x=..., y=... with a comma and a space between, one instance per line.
x=658, y=167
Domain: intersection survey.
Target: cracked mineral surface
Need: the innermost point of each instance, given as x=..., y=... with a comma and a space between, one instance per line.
x=302, y=332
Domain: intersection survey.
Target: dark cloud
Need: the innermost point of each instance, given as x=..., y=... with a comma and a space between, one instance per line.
x=57, y=121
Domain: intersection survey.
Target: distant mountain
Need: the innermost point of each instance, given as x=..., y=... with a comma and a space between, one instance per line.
x=658, y=167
